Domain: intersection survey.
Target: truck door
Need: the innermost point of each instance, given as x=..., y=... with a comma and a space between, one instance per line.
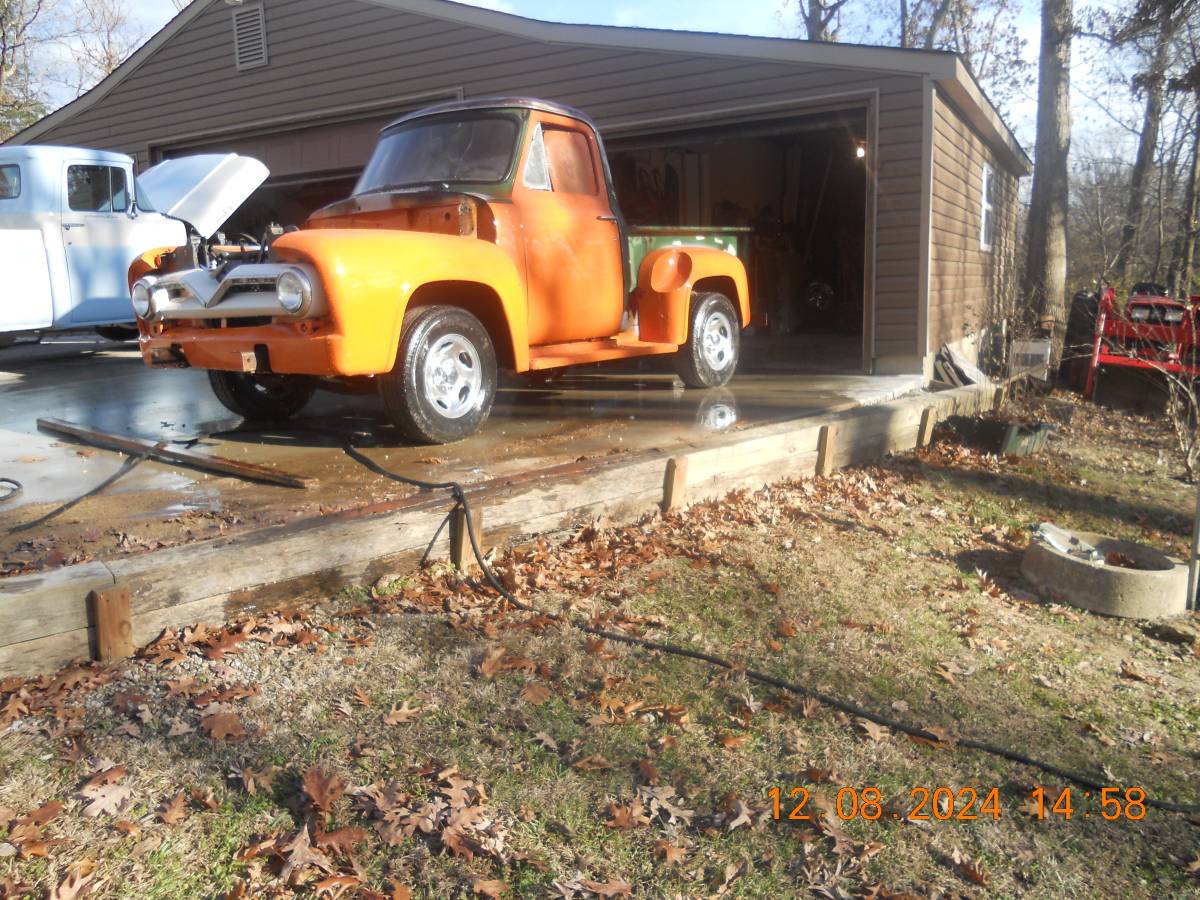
x=27, y=301
x=572, y=243
x=96, y=235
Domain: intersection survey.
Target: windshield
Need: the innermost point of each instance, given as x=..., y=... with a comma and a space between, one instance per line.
x=431, y=151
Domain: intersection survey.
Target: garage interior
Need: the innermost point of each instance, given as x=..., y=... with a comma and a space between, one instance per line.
x=799, y=184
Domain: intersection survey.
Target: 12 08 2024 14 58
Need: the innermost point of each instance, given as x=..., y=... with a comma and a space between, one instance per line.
x=964, y=804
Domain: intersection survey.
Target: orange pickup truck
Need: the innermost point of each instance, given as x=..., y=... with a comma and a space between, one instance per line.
x=482, y=233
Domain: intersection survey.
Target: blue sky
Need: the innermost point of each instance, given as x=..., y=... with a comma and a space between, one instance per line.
x=762, y=17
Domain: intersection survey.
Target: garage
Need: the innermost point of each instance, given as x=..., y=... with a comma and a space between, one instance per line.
x=866, y=177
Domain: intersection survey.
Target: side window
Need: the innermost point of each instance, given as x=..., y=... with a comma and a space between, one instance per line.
x=97, y=189
x=10, y=182
x=537, y=176
x=987, y=209
x=569, y=158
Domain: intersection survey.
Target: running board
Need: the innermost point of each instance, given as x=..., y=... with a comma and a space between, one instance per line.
x=575, y=353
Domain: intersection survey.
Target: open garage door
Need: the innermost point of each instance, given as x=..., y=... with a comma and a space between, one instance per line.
x=801, y=185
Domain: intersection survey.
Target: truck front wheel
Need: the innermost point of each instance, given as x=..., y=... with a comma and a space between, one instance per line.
x=269, y=398
x=710, y=356
x=443, y=384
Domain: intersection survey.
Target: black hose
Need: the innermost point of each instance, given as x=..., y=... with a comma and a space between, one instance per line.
x=126, y=466
x=460, y=498
x=14, y=489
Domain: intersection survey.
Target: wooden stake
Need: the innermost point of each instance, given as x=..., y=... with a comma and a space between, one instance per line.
x=928, y=421
x=825, y=441
x=675, y=484
x=998, y=398
x=1193, y=588
x=189, y=458
x=462, y=556
x=113, y=622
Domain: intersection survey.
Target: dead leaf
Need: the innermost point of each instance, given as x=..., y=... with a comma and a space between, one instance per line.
x=336, y=885
x=172, y=811
x=970, y=869
x=669, y=853
x=627, y=817
x=490, y=664
x=615, y=887
x=299, y=855
x=223, y=727
x=323, y=788
x=401, y=715
x=1133, y=673
x=535, y=692
x=76, y=885
x=733, y=741
x=594, y=761
x=874, y=731
x=494, y=888
x=340, y=842
x=106, y=800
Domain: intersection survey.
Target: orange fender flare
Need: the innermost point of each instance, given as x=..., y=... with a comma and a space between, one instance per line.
x=666, y=280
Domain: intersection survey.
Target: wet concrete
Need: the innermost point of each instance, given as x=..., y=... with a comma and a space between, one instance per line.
x=580, y=414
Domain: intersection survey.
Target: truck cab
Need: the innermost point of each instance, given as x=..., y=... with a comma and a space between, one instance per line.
x=72, y=223
x=481, y=234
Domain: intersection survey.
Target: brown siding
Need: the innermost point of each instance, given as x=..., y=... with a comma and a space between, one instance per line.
x=325, y=55
x=968, y=285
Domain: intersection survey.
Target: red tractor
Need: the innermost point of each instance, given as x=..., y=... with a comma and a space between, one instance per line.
x=1155, y=332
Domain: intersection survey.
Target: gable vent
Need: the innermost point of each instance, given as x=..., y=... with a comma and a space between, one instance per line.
x=249, y=37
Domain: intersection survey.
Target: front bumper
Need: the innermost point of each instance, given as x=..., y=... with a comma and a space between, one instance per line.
x=244, y=291
x=291, y=349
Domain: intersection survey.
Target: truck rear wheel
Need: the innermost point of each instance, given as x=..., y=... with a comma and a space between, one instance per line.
x=265, y=398
x=710, y=356
x=443, y=384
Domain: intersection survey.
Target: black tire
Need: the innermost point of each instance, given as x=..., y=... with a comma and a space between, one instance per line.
x=710, y=356
x=263, y=398
x=434, y=402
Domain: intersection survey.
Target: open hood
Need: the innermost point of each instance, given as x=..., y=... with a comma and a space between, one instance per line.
x=203, y=190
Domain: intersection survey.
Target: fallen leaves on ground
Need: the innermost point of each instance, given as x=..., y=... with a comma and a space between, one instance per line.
x=224, y=727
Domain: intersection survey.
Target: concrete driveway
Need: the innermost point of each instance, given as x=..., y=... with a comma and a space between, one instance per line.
x=582, y=414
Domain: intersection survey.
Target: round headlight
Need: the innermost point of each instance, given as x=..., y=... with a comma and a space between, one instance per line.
x=293, y=290
x=141, y=293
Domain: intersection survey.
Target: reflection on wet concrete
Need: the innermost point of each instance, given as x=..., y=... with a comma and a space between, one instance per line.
x=536, y=423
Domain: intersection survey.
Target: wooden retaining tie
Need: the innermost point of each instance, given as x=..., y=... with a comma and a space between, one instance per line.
x=825, y=442
x=50, y=618
x=113, y=623
x=675, y=484
x=462, y=556
x=928, y=422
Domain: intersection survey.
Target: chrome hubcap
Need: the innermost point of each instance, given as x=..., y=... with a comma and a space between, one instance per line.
x=453, y=376
x=716, y=340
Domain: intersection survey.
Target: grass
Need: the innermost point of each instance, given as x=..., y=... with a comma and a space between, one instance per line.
x=896, y=587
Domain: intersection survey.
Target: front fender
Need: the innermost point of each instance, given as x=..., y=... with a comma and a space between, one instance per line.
x=667, y=277
x=370, y=276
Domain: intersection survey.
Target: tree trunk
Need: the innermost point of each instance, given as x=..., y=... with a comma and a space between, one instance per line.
x=1147, y=145
x=1183, y=259
x=1046, y=261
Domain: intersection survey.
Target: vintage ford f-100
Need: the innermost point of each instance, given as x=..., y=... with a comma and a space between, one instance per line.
x=481, y=233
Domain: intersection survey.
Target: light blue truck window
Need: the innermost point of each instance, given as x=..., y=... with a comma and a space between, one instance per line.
x=10, y=182
x=97, y=189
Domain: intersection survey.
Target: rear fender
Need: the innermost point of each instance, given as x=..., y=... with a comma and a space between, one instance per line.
x=667, y=279
x=371, y=275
